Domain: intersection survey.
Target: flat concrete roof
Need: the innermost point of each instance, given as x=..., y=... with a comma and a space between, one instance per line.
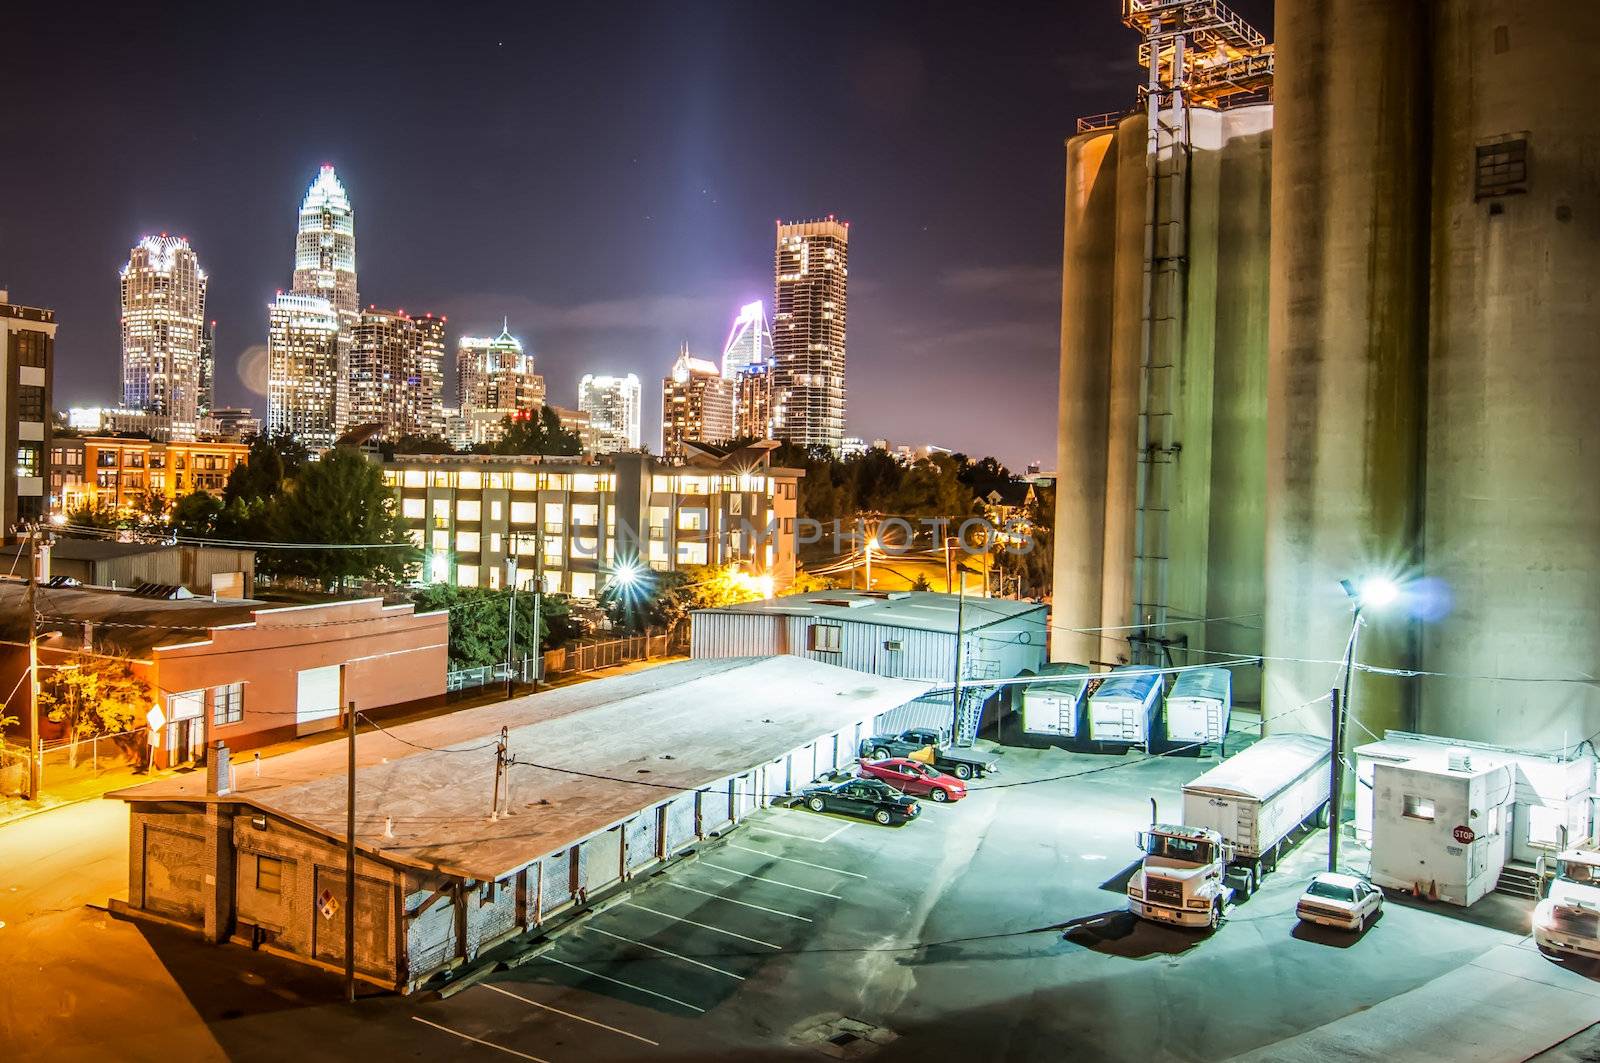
x=623, y=744
x=132, y=623
x=914, y=610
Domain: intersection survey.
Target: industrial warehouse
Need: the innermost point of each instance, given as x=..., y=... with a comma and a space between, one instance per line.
x=601, y=781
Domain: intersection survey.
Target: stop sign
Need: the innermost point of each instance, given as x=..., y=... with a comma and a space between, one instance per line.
x=1464, y=835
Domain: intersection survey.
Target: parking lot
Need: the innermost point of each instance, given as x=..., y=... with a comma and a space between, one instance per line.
x=992, y=928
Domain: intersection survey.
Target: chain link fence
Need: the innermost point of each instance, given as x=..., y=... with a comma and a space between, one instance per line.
x=575, y=659
x=69, y=761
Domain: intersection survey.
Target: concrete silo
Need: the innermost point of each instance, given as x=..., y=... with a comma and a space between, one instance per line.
x=1164, y=355
x=1086, y=279
x=1512, y=548
x=1347, y=344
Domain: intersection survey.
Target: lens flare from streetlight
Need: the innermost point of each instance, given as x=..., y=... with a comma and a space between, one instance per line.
x=1377, y=592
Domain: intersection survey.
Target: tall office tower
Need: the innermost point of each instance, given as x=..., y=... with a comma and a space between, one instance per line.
x=696, y=405
x=811, y=273
x=424, y=391
x=325, y=245
x=495, y=379
x=380, y=357
x=749, y=341
x=303, y=352
x=208, y=369
x=325, y=267
x=752, y=402
x=163, y=334
x=612, y=403
x=27, y=339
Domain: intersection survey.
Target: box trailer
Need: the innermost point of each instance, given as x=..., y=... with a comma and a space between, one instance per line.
x=1052, y=709
x=1198, y=706
x=1123, y=710
x=1256, y=799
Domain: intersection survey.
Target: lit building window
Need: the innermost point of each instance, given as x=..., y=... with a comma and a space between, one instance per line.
x=583, y=585
x=524, y=513
x=495, y=509
x=416, y=478
x=467, y=542
x=412, y=508
x=470, y=480
x=466, y=575
x=227, y=704
x=469, y=509
x=523, y=481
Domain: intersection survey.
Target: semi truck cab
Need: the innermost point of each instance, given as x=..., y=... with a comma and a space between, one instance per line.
x=1568, y=920
x=1180, y=879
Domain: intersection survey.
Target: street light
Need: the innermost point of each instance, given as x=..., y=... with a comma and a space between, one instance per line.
x=872, y=544
x=1376, y=592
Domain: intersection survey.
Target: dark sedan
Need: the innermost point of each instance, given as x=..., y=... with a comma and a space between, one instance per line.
x=861, y=797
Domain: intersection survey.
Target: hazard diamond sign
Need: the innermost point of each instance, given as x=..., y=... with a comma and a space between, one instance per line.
x=327, y=904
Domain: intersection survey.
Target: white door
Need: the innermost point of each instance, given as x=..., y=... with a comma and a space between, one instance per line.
x=317, y=694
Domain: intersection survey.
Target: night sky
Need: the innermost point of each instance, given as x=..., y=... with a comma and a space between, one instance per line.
x=605, y=175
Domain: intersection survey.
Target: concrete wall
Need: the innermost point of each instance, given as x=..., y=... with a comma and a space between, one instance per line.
x=1513, y=519
x=1347, y=334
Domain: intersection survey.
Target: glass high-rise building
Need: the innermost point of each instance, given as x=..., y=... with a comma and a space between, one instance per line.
x=612, y=403
x=396, y=374
x=749, y=341
x=495, y=379
x=164, y=334
x=325, y=245
x=811, y=273
x=696, y=406
x=208, y=369
x=303, y=369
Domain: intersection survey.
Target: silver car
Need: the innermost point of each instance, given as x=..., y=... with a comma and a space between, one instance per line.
x=1347, y=902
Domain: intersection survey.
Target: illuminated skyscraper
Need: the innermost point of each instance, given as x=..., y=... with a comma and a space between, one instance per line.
x=612, y=403
x=325, y=246
x=811, y=273
x=495, y=379
x=164, y=334
x=396, y=375
x=303, y=371
x=208, y=369
x=752, y=402
x=696, y=405
x=749, y=341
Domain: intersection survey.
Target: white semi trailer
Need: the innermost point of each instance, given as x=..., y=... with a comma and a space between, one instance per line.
x=1237, y=819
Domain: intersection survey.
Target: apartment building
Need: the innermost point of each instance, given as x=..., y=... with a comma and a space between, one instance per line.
x=27, y=337
x=116, y=472
x=577, y=521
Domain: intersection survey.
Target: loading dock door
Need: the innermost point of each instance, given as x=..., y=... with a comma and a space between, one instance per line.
x=680, y=822
x=373, y=926
x=644, y=838
x=716, y=807
x=601, y=857
x=555, y=881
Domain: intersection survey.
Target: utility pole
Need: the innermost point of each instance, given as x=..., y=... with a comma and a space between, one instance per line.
x=1335, y=779
x=955, y=685
x=35, y=745
x=538, y=600
x=350, y=857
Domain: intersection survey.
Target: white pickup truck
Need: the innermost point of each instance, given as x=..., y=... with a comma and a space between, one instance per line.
x=1568, y=920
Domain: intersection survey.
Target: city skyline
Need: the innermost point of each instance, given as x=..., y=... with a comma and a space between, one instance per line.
x=604, y=257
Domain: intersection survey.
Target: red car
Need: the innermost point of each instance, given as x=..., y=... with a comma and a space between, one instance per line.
x=914, y=777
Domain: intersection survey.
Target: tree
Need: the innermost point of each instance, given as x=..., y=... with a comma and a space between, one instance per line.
x=197, y=514
x=150, y=507
x=478, y=622
x=921, y=583
x=94, y=695
x=651, y=601
x=415, y=444
x=539, y=433
x=93, y=515
x=271, y=460
x=340, y=500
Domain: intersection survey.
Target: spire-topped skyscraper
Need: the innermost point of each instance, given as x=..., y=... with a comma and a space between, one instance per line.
x=308, y=345
x=325, y=246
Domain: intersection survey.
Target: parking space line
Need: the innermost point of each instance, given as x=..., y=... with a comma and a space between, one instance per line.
x=570, y=1015
x=773, y=881
x=702, y=926
x=625, y=985
x=840, y=829
x=792, y=860
x=591, y=928
x=744, y=904
x=480, y=1041
x=785, y=834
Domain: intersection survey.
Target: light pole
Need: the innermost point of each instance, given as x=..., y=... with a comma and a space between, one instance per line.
x=1376, y=592
x=872, y=544
x=511, y=613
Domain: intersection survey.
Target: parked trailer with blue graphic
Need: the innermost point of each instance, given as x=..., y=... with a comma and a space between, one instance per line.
x=1052, y=709
x=1198, y=706
x=1123, y=710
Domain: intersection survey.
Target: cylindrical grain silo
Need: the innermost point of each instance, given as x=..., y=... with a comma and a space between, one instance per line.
x=1086, y=293
x=1122, y=422
x=1347, y=340
x=1513, y=514
x=1238, y=424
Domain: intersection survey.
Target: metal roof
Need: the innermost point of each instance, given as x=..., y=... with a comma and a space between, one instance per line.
x=1266, y=768
x=601, y=752
x=1128, y=681
x=913, y=610
x=1213, y=683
